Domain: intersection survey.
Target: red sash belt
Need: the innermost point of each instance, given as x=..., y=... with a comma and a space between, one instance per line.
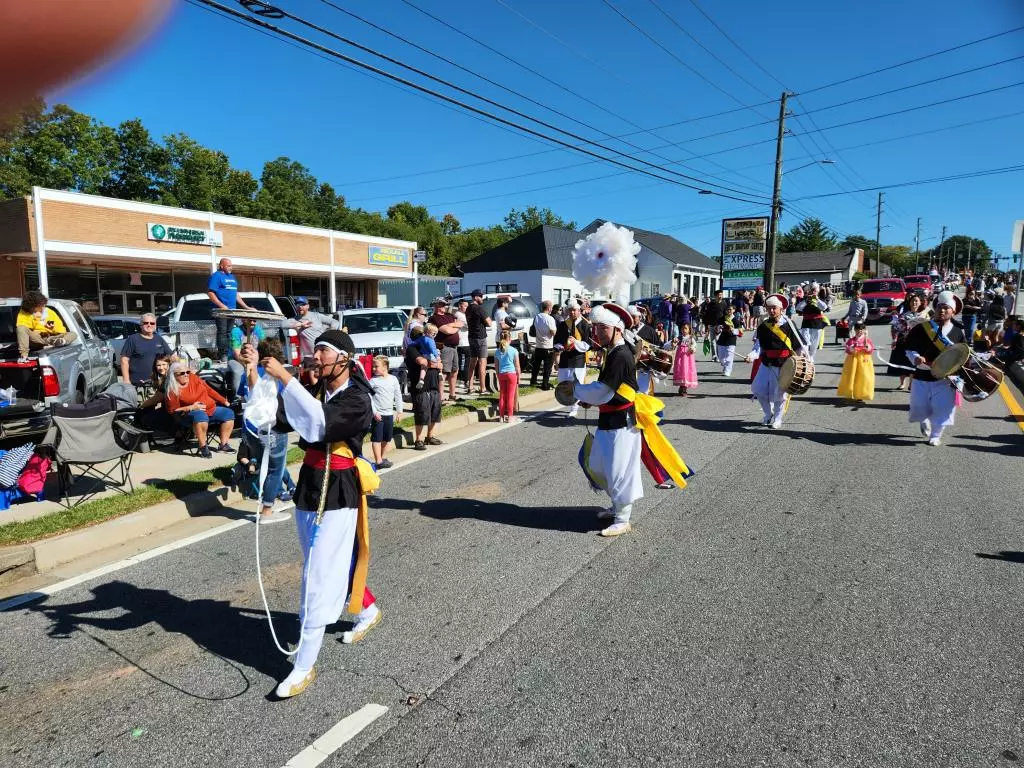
x=813, y=317
x=775, y=354
x=612, y=408
x=317, y=459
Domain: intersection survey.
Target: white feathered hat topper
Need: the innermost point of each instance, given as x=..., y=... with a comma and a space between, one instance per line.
x=605, y=261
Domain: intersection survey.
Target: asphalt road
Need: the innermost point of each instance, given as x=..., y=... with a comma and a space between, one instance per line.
x=834, y=593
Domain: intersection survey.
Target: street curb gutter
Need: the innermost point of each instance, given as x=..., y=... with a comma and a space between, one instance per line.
x=24, y=560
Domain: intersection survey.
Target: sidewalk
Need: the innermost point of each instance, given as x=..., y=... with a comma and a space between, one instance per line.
x=194, y=513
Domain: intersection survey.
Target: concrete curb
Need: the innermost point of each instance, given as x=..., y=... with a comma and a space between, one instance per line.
x=23, y=560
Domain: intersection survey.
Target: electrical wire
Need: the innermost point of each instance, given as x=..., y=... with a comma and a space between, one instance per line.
x=436, y=94
x=917, y=182
x=736, y=45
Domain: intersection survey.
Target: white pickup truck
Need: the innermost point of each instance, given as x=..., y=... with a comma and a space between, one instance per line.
x=74, y=373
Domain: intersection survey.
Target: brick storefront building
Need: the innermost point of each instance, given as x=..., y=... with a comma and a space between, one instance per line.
x=116, y=256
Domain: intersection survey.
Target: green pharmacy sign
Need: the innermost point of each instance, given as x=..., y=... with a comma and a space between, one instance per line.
x=165, y=233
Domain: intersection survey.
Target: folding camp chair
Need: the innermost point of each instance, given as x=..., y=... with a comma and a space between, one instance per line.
x=87, y=436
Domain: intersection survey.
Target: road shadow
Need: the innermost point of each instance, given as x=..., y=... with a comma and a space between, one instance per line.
x=236, y=635
x=560, y=419
x=1006, y=555
x=569, y=519
x=740, y=424
x=1010, y=445
x=839, y=402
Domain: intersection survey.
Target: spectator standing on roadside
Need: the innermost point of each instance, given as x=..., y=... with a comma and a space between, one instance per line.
x=506, y=363
x=307, y=325
x=140, y=350
x=222, y=288
x=417, y=319
x=477, y=323
x=387, y=406
x=544, y=330
x=426, y=401
x=460, y=315
x=448, y=328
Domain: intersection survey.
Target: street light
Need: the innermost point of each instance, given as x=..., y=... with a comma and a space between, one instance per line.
x=816, y=162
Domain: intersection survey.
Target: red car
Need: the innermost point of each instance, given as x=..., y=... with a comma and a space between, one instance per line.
x=884, y=297
x=921, y=284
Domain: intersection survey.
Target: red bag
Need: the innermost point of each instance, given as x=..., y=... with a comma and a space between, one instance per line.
x=32, y=479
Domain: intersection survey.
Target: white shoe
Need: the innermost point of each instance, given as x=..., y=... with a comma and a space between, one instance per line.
x=277, y=516
x=573, y=413
x=934, y=441
x=616, y=529
x=296, y=682
x=606, y=514
x=777, y=424
x=926, y=428
x=365, y=624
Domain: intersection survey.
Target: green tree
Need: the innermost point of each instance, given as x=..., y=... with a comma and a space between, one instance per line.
x=288, y=192
x=809, y=235
x=517, y=222
x=195, y=175
x=954, y=250
x=858, y=241
x=139, y=165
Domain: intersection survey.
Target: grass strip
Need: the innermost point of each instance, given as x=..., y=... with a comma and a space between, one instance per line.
x=108, y=508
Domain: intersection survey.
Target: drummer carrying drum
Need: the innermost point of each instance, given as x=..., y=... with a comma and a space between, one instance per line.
x=779, y=342
x=933, y=397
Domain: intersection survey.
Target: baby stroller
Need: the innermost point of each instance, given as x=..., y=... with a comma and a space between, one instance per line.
x=842, y=331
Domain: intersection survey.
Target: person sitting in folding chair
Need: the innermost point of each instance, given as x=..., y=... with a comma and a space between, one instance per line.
x=193, y=402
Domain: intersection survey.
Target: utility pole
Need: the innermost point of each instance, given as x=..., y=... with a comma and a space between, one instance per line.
x=917, y=247
x=773, y=227
x=942, y=240
x=878, y=235
x=970, y=246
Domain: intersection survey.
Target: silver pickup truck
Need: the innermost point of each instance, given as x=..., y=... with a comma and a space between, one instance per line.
x=70, y=374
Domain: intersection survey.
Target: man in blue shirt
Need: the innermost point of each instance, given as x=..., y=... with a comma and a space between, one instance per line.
x=222, y=288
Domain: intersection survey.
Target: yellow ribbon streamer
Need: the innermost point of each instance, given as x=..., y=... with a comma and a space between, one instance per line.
x=647, y=419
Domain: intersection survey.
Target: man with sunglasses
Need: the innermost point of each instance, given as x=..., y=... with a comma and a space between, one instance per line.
x=140, y=350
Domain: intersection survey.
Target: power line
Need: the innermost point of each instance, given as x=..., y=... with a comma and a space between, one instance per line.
x=736, y=45
x=436, y=94
x=704, y=48
x=911, y=61
x=918, y=182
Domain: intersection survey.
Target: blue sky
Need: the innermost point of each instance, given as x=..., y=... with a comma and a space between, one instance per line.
x=257, y=98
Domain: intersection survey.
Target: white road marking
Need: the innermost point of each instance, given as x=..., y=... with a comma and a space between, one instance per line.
x=337, y=737
x=60, y=586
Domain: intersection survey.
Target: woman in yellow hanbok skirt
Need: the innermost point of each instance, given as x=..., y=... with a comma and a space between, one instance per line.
x=858, y=379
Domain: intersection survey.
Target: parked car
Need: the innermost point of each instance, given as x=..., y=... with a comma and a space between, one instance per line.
x=920, y=284
x=115, y=329
x=191, y=322
x=378, y=331
x=74, y=373
x=883, y=296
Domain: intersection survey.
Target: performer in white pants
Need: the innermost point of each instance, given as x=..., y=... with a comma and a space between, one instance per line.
x=331, y=420
x=933, y=401
x=777, y=340
x=572, y=339
x=615, y=452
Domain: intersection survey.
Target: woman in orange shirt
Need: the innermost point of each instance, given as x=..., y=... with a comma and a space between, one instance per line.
x=192, y=401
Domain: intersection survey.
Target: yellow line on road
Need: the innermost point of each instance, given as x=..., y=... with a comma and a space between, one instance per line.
x=1011, y=402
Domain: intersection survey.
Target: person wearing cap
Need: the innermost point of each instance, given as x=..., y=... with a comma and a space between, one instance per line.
x=932, y=400
x=331, y=514
x=448, y=327
x=777, y=339
x=641, y=330
x=307, y=325
x=572, y=341
x=814, y=311
x=477, y=323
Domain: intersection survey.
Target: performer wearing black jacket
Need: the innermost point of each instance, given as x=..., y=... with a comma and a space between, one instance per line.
x=572, y=341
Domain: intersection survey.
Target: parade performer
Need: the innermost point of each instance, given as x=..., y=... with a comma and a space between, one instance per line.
x=331, y=511
x=726, y=341
x=572, y=341
x=627, y=428
x=912, y=312
x=814, y=311
x=684, y=367
x=857, y=381
x=777, y=340
x=933, y=401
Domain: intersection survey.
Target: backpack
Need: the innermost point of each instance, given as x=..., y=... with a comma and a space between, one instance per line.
x=32, y=480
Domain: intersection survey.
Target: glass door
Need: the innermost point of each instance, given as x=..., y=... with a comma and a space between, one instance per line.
x=137, y=303
x=112, y=303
